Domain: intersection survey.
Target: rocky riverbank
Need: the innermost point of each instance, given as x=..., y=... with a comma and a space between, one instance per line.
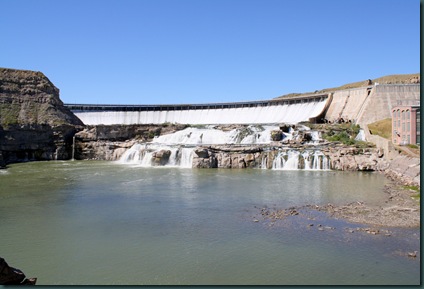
x=397, y=217
x=401, y=208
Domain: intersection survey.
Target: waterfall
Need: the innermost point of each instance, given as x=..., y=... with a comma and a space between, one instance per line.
x=173, y=158
x=73, y=148
x=177, y=149
x=132, y=155
x=264, y=162
x=279, y=161
x=306, y=160
x=361, y=135
x=186, y=157
x=209, y=135
x=296, y=160
x=292, y=162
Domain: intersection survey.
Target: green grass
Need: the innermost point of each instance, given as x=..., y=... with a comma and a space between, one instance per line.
x=344, y=133
x=9, y=114
x=413, y=146
x=382, y=128
x=412, y=188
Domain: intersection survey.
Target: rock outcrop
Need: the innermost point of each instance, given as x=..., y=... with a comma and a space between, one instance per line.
x=28, y=97
x=404, y=169
x=13, y=276
x=346, y=158
x=34, y=123
x=342, y=158
x=109, y=142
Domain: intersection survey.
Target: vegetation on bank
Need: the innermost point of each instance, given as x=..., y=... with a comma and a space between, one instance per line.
x=382, y=128
x=9, y=114
x=414, y=189
x=344, y=133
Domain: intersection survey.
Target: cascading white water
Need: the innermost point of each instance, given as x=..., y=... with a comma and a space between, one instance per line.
x=291, y=160
x=279, y=161
x=73, y=148
x=133, y=155
x=361, y=135
x=306, y=160
x=186, y=157
x=264, y=162
x=183, y=156
x=207, y=136
x=180, y=148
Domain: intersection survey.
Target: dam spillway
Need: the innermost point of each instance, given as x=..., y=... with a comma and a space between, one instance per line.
x=292, y=110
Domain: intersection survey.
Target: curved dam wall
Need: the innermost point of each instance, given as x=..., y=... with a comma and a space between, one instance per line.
x=360, y=105
x=283, y=111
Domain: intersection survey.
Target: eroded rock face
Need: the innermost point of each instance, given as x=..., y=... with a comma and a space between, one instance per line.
x=36, y=142
x=2, y=162
x=28, y=97
x=355, y=159
x=405, y=170
x=34, y=124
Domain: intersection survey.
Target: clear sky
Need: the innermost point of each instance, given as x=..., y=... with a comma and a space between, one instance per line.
x=197, y=51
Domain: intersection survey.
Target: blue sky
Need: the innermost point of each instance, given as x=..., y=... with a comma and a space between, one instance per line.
x=197, y=51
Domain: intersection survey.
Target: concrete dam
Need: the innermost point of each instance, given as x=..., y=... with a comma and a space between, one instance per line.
x=291, y=110
x=358, y=105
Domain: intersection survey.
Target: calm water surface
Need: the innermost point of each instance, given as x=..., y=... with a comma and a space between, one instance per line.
x=79, y=222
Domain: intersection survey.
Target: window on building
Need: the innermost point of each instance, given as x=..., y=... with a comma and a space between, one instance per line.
x=408, y=114
x=403, y=126
x=408, y=139
x=403, y=115
x=398, y=124
x=408, y=127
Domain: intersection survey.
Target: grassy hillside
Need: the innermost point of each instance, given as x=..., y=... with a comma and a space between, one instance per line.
x=382, y=128
x=389, y=79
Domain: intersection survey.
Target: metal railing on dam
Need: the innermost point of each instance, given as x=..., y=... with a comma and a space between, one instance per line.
x=289, y=110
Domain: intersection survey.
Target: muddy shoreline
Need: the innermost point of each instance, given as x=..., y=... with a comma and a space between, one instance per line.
x=399, y=213
x=401, y=208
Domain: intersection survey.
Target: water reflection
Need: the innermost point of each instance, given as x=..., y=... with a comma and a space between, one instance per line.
x=104, y=223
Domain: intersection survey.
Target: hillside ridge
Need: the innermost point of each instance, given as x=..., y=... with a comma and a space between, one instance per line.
x=413, y=78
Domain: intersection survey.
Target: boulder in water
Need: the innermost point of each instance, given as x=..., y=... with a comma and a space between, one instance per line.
x=161, y=158
x=13, y=276
x=276, y=135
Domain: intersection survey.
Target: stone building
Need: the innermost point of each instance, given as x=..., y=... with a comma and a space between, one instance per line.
x=406, y=123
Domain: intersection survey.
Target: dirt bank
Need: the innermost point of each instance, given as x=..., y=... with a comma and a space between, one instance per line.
x=400, y=209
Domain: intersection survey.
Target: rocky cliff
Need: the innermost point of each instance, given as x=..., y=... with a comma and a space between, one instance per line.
x=34, y=124
x=109, y=142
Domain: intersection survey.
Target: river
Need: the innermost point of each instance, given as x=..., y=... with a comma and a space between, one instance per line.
x=102, y=223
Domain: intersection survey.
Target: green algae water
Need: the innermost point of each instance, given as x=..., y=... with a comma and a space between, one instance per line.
x=101, y=223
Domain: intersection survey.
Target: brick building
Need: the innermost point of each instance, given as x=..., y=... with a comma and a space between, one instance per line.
x=406, y=123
